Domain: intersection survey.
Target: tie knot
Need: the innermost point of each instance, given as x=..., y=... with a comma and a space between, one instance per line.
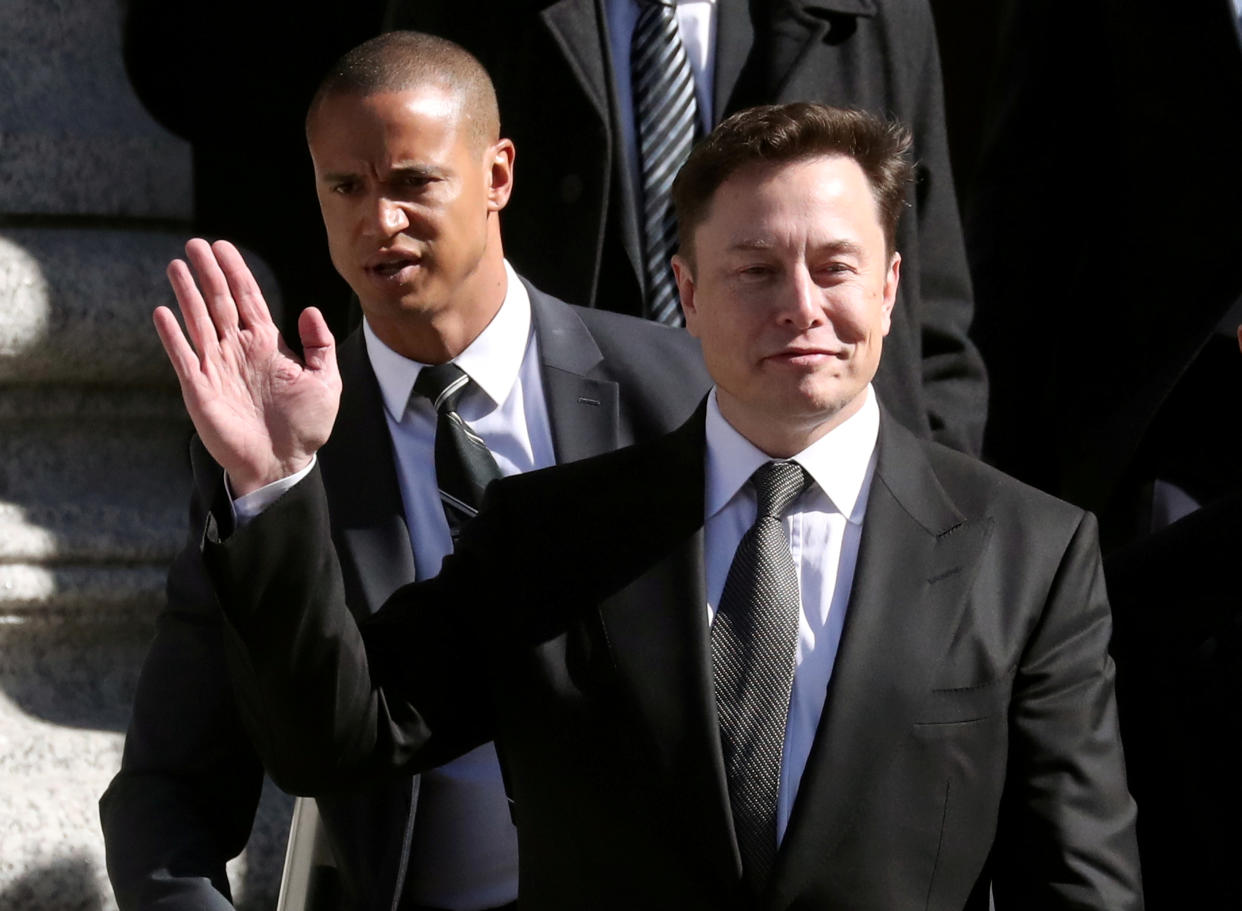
x=443, y=384
x=777, y=484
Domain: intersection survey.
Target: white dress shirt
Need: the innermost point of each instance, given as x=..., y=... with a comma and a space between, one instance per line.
x=823, y=527
x=465, y=845
x=696, y=20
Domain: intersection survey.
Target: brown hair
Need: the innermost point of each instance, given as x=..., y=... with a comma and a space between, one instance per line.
x=403, y=60
x=782, y=133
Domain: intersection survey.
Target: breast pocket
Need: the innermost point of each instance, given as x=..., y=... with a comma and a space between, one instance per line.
x=964, y=705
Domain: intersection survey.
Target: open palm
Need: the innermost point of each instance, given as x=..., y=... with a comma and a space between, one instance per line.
x=260, y=410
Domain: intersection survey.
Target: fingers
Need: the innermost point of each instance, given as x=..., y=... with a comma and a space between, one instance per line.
x=215, y=287
x=251, y=307
x=198, y=323
x=180, y=354
x=318, y=345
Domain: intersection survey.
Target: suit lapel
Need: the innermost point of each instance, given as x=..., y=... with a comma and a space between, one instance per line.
x=735, y=38
x=916, y=560
x=368, y=519
x=657, y=633
x=584, y=412
x=579, y=28
x=760, y=46
x=575, y=26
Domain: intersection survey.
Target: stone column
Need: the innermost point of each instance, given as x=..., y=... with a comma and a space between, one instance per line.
x=95, y=198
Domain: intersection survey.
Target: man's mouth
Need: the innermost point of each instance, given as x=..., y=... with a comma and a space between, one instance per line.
x=389, y=265
x=799, y=354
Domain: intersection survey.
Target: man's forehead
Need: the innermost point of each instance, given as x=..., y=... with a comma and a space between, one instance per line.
x=756, y=174
x=394, y=128
x=407, y=108
x=815, y=184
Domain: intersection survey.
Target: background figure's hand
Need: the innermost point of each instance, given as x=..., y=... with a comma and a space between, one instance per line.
x=260, y=411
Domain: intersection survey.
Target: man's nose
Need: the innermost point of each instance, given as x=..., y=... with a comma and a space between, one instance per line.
x=802, y=303
x=388, y=217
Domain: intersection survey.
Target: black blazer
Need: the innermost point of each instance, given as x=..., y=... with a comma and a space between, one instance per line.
x=969, y=735
x=184, y=799
x=571, y=224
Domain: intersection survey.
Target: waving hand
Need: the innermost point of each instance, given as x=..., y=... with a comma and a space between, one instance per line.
x=260, y=410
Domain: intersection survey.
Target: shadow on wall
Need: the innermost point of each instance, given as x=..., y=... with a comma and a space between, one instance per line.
x=66, y=884
x=74, y=670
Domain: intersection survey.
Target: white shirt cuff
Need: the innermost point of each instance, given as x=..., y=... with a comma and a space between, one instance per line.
x=252, y=504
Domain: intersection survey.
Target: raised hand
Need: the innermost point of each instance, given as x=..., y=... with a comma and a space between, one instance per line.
x=260, y=410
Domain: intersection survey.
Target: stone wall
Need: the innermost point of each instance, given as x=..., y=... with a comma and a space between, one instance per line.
x=95, y=198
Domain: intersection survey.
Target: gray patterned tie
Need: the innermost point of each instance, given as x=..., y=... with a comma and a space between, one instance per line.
x=753, y=640
x=464, y=464
x=665, y=116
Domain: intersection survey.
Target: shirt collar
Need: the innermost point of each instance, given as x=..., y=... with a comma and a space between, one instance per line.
x=492, y=360
x=840, y=462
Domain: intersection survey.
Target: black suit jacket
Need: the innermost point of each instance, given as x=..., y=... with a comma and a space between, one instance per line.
x=185, y=797
x=968, y=738
x=551, y=66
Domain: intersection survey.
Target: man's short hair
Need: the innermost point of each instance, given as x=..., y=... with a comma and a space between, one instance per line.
x=403, y=60
x=784, y=133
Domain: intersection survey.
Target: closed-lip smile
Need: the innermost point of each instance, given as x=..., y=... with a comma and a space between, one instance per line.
x=803, y=353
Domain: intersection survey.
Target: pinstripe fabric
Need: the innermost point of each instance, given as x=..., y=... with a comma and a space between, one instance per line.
x=753, y=642
x=464, y=465
x=664, y=120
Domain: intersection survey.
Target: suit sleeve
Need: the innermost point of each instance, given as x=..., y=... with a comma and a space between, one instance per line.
x=955, y=382
x=1066, y=837
x=327, y=702
x=185, y=797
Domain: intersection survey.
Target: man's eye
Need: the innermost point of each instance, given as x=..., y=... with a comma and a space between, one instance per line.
x=345, y=187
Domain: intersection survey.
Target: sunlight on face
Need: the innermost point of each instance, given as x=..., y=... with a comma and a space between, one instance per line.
x=791, y=297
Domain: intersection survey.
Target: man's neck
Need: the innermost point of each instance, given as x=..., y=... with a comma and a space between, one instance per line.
x=441, y=334
x=784, y=439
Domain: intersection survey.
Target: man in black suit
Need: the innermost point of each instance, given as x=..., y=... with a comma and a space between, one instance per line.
x=891, y=690
x=412, y=177
x=556, y=68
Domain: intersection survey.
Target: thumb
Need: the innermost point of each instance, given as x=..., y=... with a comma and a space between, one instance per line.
x=318, y=345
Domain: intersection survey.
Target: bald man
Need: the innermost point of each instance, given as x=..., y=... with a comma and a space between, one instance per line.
x=411, y=177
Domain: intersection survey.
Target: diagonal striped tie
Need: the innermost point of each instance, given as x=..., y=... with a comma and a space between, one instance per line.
x=464, y=465
x=665, y=117
x=754, y=645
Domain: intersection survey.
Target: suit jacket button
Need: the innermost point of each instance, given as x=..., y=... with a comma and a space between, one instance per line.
x=571, y=188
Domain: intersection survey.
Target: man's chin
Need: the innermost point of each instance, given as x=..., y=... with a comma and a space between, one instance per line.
x=414, y=303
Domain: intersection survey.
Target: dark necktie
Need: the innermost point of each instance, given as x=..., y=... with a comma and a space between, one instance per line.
x=464, y=465
x=754, y=637
x=665, y=116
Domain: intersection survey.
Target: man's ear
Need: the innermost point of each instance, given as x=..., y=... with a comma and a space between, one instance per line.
x=891, y=279
x=686, y=289
x=499, y=163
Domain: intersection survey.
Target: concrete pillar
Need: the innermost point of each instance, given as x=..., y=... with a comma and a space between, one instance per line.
x=95, y=198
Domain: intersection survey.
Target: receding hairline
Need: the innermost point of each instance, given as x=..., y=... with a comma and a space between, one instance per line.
x=405, y=61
